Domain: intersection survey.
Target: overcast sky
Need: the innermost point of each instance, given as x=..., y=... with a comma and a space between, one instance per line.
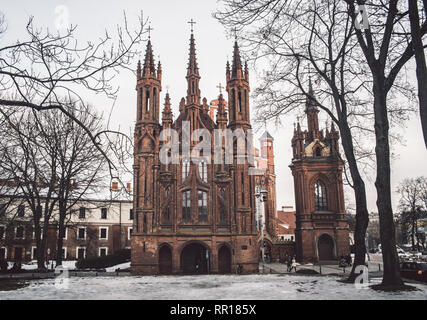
x=170, y=39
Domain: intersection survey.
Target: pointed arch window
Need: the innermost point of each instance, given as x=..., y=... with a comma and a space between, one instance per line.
x=147, y=100
x=185, y=168
x=240, y=101
x=186, y=205
x=140, y=102
x=320, y=198
x=318, y=152
x=202, y=197
x=154, y=101
x=203, y=170
x=222, y=208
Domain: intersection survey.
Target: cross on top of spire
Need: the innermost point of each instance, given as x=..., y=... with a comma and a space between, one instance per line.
x=235, y=33
x=192, y=22
x=149, y=31
x=220, y=87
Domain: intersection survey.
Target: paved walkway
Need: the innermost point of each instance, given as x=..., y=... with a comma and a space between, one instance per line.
x=375, y=268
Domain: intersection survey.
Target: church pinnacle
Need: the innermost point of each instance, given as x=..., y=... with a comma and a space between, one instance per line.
x=236, y=71
x=193, y=77
x=149, y=68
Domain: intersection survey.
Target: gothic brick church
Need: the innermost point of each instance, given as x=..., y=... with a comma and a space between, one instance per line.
x=191, y=216
x=322, y=232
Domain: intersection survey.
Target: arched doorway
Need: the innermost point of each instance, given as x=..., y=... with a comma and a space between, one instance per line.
x=165, y=260
x=224, y=260
x=325, y=245
x=195, y=259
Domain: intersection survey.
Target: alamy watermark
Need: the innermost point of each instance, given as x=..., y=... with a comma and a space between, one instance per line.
x=361, y=12
x=229, y=146
x=62, y=16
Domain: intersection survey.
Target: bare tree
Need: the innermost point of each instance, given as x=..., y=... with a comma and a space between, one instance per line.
x=81, y=167
x=31, y=161
x=412, y=205
x=302, y=40
x=37, y=72
x=386, y=47
x=420, y=58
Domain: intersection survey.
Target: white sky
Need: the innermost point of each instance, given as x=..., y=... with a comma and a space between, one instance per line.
x=170, y=39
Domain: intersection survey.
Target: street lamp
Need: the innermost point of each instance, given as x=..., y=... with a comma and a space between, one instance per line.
x=261, y=197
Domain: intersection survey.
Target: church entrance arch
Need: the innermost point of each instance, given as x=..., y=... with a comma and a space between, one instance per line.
x=165, y=260
x=224, y=260
x=325, y=245
x=195, y=259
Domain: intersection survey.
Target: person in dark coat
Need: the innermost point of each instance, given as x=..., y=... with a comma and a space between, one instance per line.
x=3, y=266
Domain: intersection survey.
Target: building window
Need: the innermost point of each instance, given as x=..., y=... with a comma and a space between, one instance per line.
x=243, y=188
x=19, y=232
x=81, y=252
x=130, y=229
x=103, y=233
x=203, y=171
x=21, y=210
x=318, y=152
x=131, y=214
x=186, y=205
x=64, y=253
x=103, y=251
x=320, y=199
x=185, y=169
x=2, y=232
x=65, y=235
x=82, y=213
x=81, y=233
x=103, y=213
x=203, y=205
x=167, y=214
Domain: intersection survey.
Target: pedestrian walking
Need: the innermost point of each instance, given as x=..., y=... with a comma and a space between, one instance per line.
x=293, y=265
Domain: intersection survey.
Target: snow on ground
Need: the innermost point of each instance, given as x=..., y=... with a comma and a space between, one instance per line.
x=32, y=265
x=233, y=287
x=125, y=265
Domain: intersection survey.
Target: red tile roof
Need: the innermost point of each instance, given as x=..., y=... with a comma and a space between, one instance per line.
x=286, y=221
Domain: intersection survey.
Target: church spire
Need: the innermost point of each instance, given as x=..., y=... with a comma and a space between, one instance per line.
x=237, y=71
x=149, y=67
x=167, y=112
x=193, y=77
x=192, y=69
x=312, y=114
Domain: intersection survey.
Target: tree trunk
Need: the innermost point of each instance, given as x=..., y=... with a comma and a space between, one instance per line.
x=362, y=214
x=421, y=64
x=391, y=277
x=413, y=234
x=61, y=233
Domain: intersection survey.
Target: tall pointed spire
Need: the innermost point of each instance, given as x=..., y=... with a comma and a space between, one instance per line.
x=167, y=111
x=312, y=114
x=193, y=77
x=237, y=72
x=192, y=60
x=149, y=66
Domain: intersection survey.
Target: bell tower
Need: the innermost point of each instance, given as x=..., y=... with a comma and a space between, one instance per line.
x=322, y=232
x=146, y=155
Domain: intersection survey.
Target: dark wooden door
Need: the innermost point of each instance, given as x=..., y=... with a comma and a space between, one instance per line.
x=165, y=260
x=326, y=247
x=224, y=260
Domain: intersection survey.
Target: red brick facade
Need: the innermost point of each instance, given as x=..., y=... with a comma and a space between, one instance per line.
x=191, y=217
x=322, y=231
